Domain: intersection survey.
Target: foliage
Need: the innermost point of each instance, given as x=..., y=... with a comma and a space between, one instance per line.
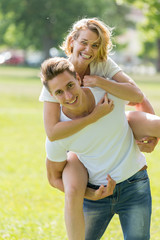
x=150, y=28
x=30, y=209
x=43, y=24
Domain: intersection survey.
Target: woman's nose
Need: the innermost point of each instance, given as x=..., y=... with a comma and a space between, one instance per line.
x=88, y=48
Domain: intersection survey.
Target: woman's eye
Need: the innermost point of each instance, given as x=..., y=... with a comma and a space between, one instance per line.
x=84, y=43
x=95, y=45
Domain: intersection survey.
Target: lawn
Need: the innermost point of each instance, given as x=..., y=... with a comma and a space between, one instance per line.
x=29, y=208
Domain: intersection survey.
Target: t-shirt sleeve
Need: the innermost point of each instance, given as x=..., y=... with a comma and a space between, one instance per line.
x=110, y=68
x=46, y=96
x=55, y=151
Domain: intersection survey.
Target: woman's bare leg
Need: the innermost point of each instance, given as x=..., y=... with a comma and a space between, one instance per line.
x=75, y=178
x=146, y=129
x=144, y=124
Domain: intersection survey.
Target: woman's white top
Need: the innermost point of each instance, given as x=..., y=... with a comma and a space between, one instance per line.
x=106, y=69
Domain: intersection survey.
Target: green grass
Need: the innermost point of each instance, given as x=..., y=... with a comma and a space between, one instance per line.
x=29, y=208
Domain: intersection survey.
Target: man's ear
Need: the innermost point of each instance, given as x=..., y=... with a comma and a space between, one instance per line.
x=79, y=79
x=50, y=92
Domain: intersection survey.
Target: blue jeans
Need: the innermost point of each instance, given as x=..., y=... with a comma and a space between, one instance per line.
x=131, y=200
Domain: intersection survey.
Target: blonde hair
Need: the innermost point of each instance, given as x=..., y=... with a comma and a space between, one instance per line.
x=52, y=67
x=103, y=31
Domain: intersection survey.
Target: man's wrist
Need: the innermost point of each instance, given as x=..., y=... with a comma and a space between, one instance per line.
x=90, y=193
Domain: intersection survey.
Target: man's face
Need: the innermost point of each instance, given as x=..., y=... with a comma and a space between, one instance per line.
x=66, y=89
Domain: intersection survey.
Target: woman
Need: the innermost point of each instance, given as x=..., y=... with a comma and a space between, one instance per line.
x=87, y=47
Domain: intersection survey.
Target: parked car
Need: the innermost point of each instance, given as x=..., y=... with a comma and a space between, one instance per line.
x=12, y=57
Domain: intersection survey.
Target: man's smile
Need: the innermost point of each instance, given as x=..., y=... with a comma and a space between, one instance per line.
x=73, y=101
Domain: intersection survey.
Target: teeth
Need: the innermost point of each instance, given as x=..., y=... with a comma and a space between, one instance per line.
x=86, y=56
x=72, y=101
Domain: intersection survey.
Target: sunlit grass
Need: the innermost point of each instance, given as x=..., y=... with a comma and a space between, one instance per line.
x=29, y=208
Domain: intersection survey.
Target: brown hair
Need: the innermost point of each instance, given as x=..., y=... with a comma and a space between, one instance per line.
x=94, y=24
x=52, y=67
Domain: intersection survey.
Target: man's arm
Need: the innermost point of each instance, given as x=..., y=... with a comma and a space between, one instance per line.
x=54, y=173
x=102, y=191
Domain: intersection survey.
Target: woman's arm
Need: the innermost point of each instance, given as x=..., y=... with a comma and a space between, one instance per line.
x=123, y=87
x=143, y=106
x=56, y=130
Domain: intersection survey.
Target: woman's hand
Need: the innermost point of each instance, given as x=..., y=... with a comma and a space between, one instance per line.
x=90, y=81
x=104, y=107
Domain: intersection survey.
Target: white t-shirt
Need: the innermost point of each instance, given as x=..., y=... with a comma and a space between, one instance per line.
x=106, y=69
x=104, y=147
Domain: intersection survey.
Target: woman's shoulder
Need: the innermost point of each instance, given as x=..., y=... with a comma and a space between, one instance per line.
x=101, y=65
x=105, y=69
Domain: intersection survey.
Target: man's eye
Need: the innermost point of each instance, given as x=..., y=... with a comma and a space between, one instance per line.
x=70, y=85
x=58, y=92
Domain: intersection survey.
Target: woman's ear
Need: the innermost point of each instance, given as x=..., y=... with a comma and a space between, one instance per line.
x=71, y=42
x=79, y=79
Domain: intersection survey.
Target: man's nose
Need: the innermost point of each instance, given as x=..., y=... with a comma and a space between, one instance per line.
x=68, y=96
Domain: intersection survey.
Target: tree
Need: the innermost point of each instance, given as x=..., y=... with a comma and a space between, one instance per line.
x=37, y=23
x=43, y=24
x=150, y=27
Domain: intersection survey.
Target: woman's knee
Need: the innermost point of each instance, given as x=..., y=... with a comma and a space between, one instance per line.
x=74, y=197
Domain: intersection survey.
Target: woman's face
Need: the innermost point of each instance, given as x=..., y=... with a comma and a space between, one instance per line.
x=85, y=47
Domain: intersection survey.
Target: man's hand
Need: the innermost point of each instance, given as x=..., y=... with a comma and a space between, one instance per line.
x=104, y=107
x=102, y=192
x=147, y=144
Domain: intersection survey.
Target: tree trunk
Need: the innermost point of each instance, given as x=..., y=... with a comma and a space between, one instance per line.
x=47, y=44
x=158, y=58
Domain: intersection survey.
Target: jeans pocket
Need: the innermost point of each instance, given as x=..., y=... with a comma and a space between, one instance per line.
x=139, y=176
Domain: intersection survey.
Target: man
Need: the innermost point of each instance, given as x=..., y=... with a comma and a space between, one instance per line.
x=106, y=146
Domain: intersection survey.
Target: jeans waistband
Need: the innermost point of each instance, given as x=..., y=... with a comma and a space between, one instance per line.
x=90, y=185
